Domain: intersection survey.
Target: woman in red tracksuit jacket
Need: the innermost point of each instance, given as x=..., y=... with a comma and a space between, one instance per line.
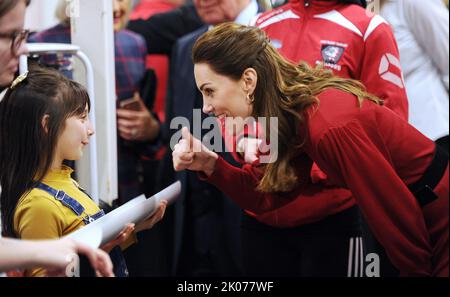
x=398, y=177
x=353, y=44
x=350, y=42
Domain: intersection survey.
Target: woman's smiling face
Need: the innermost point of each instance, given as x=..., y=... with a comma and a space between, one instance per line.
x=225, y=98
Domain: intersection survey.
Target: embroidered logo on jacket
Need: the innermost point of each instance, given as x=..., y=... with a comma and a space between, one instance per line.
x=332, y=53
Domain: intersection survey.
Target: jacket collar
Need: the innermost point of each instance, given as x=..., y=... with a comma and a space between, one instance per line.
x=314, y=6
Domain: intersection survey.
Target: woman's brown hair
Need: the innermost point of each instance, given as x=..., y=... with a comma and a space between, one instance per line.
x=284, y=90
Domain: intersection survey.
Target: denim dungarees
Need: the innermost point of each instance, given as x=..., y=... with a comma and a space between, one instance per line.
x=120, y=267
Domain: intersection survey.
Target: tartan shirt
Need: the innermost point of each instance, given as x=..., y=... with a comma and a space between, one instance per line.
x=57, y=34
x=130, y=54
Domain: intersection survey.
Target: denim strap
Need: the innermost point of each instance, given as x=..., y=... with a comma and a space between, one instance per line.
x=65, y=199
x=120, y=267
x=71, y=203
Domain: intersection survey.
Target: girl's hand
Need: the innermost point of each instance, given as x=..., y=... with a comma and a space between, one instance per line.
x=126, y=232
x=155, y=218
x=190, y=153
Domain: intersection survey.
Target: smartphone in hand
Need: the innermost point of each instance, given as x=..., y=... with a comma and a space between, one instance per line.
x=130, y=104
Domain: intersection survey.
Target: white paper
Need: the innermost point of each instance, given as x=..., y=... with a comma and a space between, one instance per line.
x=134, y=211
x=92, y=238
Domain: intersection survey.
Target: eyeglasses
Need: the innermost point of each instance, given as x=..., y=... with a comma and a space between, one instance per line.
x=17, y=38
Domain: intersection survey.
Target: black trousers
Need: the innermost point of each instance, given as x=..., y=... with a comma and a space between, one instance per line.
x=211, y=234
x=322, y=249
x=373, y=246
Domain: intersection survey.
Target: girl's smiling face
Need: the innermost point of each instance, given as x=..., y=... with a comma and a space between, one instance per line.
x=75, y=136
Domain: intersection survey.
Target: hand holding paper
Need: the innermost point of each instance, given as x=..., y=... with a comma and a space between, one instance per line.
x=126, y=232
x=138, y=211
x=155, y=218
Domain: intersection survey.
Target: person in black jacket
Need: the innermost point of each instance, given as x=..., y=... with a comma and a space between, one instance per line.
x=162, y=30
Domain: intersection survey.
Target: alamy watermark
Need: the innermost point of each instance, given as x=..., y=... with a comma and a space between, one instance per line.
x=224, y=135
x=73, y=268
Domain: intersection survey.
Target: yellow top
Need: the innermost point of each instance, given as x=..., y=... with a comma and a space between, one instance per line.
x=40, y=216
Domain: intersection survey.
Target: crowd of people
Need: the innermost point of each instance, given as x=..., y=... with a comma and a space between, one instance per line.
x=361, y=164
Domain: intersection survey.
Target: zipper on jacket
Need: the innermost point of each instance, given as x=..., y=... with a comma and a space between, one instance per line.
x=307, y=15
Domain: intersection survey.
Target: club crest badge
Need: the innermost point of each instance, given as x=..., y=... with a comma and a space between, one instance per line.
x=331, y=54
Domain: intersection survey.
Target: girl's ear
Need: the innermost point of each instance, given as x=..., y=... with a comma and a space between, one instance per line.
x=44, y=122
x=250, y=78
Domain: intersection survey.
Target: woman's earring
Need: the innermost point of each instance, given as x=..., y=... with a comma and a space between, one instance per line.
x=250, y=98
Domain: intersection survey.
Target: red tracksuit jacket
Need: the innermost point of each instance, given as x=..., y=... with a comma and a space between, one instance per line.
x=354, y=44
x=371, y=151
x=375, y=154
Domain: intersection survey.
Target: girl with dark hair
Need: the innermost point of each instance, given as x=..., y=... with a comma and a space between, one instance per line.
x=15, y=254
x=43, y=121
x=398, y=177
